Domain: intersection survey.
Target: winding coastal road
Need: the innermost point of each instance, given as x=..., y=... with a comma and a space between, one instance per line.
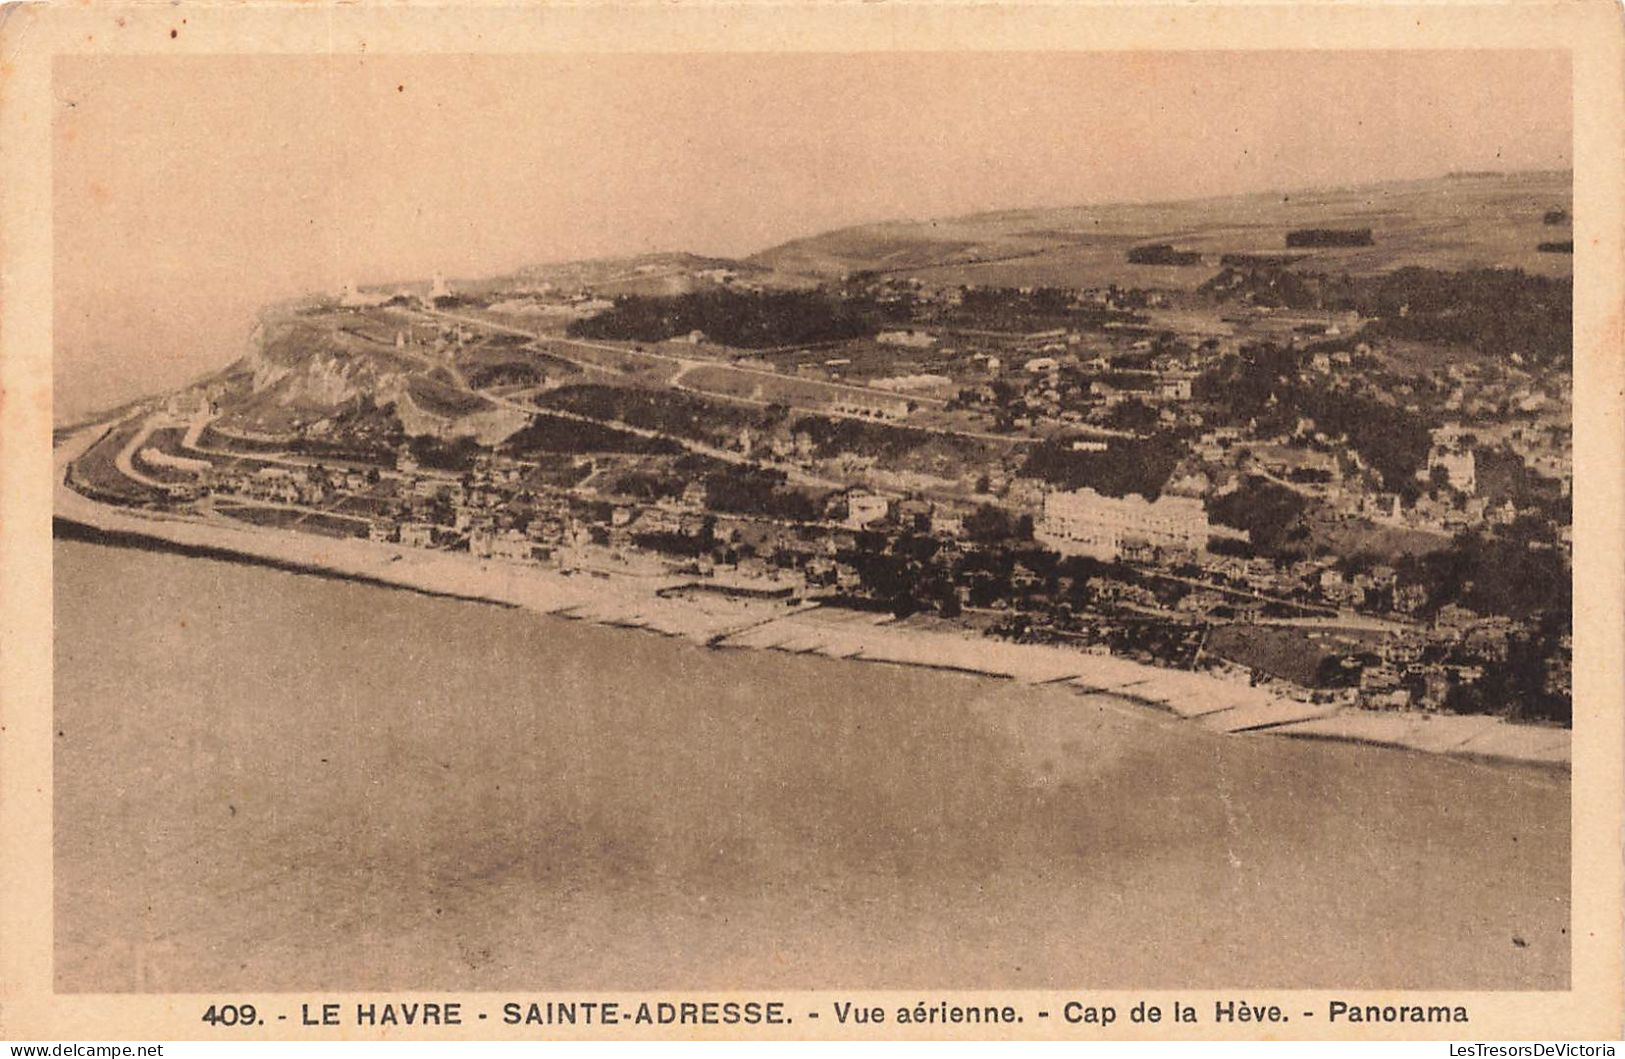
x=125, y=460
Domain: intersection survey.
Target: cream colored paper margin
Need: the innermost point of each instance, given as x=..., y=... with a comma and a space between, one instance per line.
x=31, y=36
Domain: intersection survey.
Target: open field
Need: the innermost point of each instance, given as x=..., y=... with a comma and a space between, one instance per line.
x=366, y=507
x=443, y=400
x=505, y=364
x=643, y=366
x=1293, y=654
x=166, y=442
x=687, y=415
x=862, y=360
x=1359, y=536
x=288, y=518
x=97, y=474
x=800, y=393
x=1447, y=223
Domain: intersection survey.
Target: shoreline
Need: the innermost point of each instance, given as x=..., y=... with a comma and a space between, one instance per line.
x=63, y=528
x=658, y=604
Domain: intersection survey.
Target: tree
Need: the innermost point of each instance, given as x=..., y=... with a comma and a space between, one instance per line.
x=1270, y=513
x=989, y=524
x=1133, y=415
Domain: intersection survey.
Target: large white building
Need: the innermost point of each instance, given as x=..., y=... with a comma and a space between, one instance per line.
x=1085, y=523
x=910, y=338
x=353, y=297
x=863, y=507
x=1460, y=468
x=1452, y=452
x=870, y=405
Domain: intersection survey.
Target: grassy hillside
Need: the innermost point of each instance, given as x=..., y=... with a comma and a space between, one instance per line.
x=1448, y=223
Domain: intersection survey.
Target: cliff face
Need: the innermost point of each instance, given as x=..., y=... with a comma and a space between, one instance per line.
x=305, y=370
x=322, y=361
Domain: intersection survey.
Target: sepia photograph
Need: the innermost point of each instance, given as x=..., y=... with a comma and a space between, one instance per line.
x=590, y=522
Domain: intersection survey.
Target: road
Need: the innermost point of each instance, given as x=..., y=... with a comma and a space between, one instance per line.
x=792, y=472
x=686, y=364
x=1326, y=618
x=125, y=460
x=195, y=429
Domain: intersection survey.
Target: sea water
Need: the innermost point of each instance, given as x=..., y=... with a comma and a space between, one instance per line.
x=275, y=781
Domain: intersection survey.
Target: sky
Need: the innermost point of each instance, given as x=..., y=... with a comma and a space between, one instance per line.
x=191, y=191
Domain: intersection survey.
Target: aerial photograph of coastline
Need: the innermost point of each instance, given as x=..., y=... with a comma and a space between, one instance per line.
x=973, y=521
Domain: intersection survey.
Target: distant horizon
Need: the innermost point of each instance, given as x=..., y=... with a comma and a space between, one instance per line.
x=995, y=212
x=507, y=270
x=190, y=192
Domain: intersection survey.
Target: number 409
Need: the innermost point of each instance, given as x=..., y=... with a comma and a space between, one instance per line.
x=231, y=1015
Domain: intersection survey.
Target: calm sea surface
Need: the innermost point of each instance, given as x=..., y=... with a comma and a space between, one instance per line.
x=270, y=781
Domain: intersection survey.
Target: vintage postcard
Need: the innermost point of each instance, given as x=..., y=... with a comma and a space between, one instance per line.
x=745, y=521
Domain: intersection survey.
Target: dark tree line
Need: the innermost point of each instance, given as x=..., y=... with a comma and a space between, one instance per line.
x=1132, y=466
x=831, y=437
x=1493, y=311
x=747, y=490
x=1271, y=514
x=1263, y=384
x=1494, y=574
x=668, y=411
